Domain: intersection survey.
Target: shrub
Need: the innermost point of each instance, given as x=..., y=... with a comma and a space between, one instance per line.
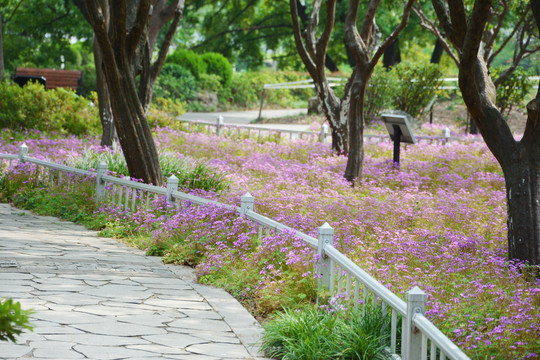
x=379, y=93
x=12, y=320
x=218, y=64
x=210, y=82
x=512, y=91
x=190, y=60
x=33, y=107
x=415, y=86
x=176, y=82
x=246, y=89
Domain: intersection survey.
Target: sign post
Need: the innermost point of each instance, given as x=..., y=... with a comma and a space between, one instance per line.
x=400, y=131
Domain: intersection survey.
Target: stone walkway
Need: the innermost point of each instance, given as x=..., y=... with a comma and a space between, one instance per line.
x=95, y=298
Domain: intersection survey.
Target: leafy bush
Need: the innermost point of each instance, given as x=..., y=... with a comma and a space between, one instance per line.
x=218, y=64
x=189, y=60
x=513, y=90
x=211, y=82
x=33, y=107
x=13, y=320
x=246, y=89
x=379, y=93
x=176, y=82
x=313, y=333
x=415, y=86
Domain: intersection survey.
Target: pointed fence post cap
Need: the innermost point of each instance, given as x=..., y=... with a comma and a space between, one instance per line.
x=172, y=178
x=23, y=146
x=247, y=195
x=102, y=165
x=416, y=294
x=326, y=229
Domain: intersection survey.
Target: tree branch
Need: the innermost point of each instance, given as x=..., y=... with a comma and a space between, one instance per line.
x=389, y=40
x=431, y=27
x=355, y=42
x=134, y=36
x=369, y=20
x=302, y=51
x=158, y=64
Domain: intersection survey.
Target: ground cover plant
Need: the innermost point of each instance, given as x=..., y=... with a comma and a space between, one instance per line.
x=439, y=223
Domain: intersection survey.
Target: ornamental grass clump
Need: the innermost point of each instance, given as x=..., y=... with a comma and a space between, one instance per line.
x=191, y=173
x=313, y=333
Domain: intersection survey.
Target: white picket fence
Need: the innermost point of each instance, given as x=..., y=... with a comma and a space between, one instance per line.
x=260, y=131
x=339, y=277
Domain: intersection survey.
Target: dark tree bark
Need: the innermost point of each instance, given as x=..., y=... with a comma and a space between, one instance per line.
x=125, y=40
x=392, y=55
x=361, y=44
x=162, y=13
x=520, y=160
x=437, y=52
x=105, y=112
x=328, y=62
x=312, y=51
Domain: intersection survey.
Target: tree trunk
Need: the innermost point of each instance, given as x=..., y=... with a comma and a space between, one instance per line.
x=437, y=52
x=2, y=66
x=134, y=134
x=523, y=199
x=355, y=161
x=392, y=55
x=336, y=114
x=105, y=113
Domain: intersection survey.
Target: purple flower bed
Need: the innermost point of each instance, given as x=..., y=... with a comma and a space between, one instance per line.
x=439, y=223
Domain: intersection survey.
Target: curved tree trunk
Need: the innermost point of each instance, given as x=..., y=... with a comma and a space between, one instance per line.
x=523, y=209
x=355, y=161
x=437, y=52
x=392, y=55
x=105, y=113
x=1, y=50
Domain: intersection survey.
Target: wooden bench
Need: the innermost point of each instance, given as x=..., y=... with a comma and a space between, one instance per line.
x=53, y=78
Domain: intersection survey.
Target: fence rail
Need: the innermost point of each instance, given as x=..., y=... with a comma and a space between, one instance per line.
x=340, y=279
x=321, y=135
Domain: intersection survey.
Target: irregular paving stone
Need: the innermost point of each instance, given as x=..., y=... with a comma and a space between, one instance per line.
x=54, y=350
x=149, y=319
x=197, y=324
x=12, y=351
x=227, y=351
x=112, y=352
x=159, y=349
x=174, y=340
x=120, y=329
x=102, y=340
x=67, y=317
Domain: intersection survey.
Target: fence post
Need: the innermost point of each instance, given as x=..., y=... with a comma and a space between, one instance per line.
x=100, y=185
x=446, y=134
x=324, y=132
x=172, y=185
x=23, y=152
x=247, y=203
x=326, y=238
x=219, y=125
x=416, y=304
